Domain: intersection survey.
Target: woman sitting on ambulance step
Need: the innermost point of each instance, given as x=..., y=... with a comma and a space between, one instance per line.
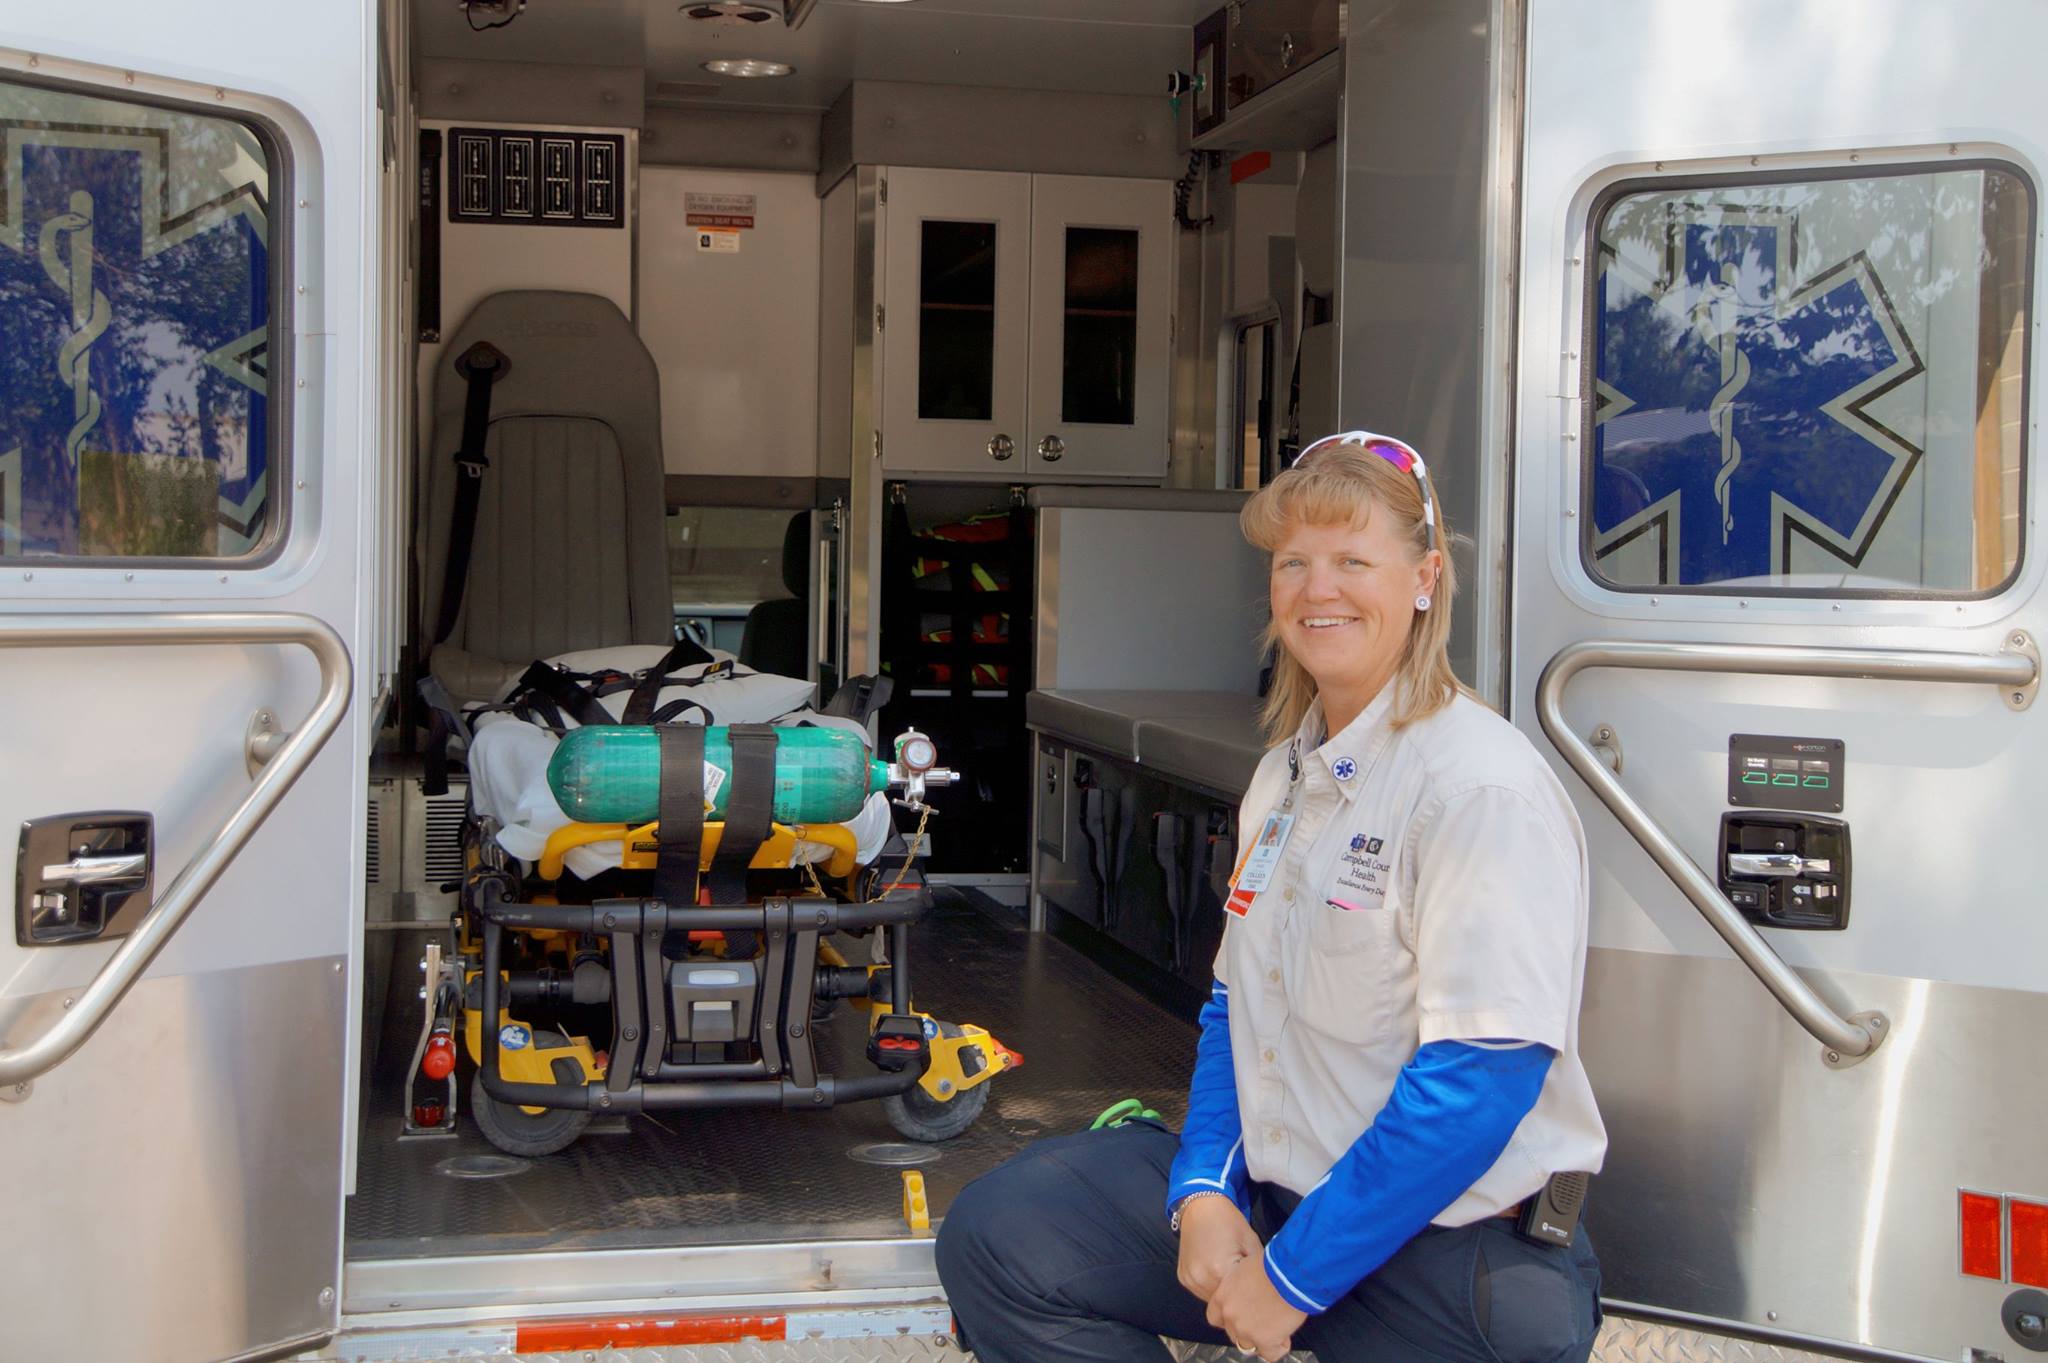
x=1388, y=1068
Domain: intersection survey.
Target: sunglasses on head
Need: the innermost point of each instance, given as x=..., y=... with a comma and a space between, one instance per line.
x=1395, y=452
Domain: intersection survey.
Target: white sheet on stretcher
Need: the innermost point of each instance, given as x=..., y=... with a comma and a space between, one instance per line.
x=508, y=781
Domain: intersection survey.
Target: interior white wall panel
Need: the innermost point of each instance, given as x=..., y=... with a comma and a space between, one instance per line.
x=735, y=334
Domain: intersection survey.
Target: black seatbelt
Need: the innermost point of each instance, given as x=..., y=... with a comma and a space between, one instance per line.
x=680, y=805
x=640, y=705
x=483, y=364
x=749, y=810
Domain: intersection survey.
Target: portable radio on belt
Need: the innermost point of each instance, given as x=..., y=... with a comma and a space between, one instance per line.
x=1551, y=1217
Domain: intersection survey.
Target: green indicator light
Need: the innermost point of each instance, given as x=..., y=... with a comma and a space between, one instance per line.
x=1785, y=778
x=1817, y=782
x=1755, y=778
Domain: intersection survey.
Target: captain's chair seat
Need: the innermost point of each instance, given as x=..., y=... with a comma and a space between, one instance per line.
x=569, y=550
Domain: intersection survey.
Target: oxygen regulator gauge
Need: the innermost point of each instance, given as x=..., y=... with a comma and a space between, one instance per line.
x=916, y=770
x=916, y=753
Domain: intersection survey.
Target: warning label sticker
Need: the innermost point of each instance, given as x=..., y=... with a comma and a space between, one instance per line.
x=723, y=240
x=732, y=211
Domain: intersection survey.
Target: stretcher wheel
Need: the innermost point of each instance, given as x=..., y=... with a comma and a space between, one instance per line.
x=530, y=1134
x=918, y=1116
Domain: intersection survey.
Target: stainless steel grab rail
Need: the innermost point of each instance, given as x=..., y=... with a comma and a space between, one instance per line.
x=122, y=969
x=1845, y=1039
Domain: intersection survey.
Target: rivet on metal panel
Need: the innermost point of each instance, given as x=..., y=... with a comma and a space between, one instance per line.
x=220, y=94
x=15, y=1093
x=127, y=577
x=327, y=1296
x=34, y=61
x=1875, y=1025
x=129, y=77
x=2022, y=643
x=1606, y=743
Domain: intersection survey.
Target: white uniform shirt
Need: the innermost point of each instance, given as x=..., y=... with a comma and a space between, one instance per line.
x=1432, y=887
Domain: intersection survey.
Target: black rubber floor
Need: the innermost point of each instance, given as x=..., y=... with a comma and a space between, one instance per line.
x=748, y=1175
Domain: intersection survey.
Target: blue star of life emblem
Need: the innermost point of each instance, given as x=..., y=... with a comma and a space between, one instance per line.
x=1344, y=769
x=1732, y=398
x=134, y=339
x=1358, y=842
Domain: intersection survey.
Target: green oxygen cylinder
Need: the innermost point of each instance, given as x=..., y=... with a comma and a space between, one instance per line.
x=611, y=773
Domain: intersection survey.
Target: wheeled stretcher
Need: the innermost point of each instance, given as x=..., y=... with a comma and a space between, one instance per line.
x=704, y=948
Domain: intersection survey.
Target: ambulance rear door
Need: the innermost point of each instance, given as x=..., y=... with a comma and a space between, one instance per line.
x=1776, y=618
x=189, y=652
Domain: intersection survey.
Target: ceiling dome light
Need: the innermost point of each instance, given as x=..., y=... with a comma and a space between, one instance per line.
x=747, y=68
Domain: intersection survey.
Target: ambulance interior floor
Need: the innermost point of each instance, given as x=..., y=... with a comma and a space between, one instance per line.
x=755, y=1174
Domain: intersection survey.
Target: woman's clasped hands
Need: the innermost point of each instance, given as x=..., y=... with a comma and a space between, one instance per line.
x=1223, y=1262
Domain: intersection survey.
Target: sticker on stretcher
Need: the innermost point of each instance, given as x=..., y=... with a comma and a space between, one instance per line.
x=1255, y=868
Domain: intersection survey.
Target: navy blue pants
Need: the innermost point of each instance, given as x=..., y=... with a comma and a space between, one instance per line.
x=1063, y=1255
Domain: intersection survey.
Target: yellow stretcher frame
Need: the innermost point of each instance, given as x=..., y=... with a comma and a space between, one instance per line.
x=642, y=846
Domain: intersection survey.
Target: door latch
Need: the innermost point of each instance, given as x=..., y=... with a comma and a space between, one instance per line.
x=82, y=877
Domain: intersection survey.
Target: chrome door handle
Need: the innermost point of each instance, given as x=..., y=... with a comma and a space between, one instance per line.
x=1051, y=448
x=1769, y=864
x=1001, y=447
x=100, y=870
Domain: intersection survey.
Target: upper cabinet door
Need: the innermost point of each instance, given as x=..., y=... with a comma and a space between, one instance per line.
x=1099, y=322
x=955, y=299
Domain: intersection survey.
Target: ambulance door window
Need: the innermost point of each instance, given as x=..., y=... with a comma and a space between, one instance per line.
x=137, y=286
x=956, y=337
x=1811, y=385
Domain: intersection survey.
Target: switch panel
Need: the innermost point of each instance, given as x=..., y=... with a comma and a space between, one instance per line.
x=1768, y=772
x=1787, y=870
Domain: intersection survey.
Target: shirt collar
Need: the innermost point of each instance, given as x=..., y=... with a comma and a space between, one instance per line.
x=1357, y=745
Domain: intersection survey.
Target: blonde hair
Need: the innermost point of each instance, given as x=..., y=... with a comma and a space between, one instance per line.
x=1342, y=483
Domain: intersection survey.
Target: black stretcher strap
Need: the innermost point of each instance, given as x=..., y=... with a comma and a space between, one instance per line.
x=640, y=706
x=482, y=365
x=560, y=689
x=749, y=810
x=680, y=805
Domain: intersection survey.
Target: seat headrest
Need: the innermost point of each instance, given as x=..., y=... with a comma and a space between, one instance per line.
x=572, y=354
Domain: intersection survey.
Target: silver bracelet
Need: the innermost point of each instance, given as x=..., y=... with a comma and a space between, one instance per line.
x=1173, y=1221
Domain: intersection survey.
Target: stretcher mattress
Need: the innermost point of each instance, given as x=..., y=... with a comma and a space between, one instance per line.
x=508, y=755
x=508, y=782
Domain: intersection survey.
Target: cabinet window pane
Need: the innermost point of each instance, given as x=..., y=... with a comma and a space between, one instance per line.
x=1100, y=348
x=1814, y=385
x=956, y=322
x=135, y=330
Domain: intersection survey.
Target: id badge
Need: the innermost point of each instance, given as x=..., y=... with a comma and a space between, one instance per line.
x=1259, y=863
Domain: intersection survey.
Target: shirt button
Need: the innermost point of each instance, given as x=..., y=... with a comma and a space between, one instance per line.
x=1267, y=1055
x=1274, y=1137
x=1273, y=975
x=1289, y=896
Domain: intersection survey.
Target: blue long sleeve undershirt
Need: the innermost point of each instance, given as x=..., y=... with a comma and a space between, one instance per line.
x=1451, y=1113
x=1211, y=1158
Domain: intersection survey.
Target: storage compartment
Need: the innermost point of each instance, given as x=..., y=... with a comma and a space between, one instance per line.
x=956, y=638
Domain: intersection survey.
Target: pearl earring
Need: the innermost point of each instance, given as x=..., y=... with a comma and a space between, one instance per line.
x=1422, y=603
